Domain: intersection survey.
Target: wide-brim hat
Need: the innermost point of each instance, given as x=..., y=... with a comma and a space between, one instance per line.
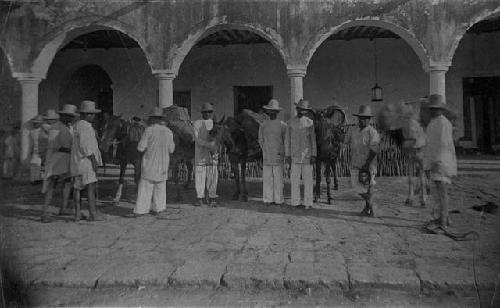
x=364, y=111
x=436, y=102
x=157, y=112
x=303, y=104
x=273, y=105
x=88, y=107
x=207, y=107
x=37, y=119
x=51, y=115
x=68, y=109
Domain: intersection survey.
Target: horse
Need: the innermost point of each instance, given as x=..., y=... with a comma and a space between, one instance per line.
x=330, y=131
x=177, y=120
x=128, y=134
x=240, y=138
x=409, y=118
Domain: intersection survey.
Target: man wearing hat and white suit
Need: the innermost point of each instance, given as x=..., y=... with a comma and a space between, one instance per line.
x=439, y=155
x=206, y=157
x=364, y=140
x=57, y=164
x=85, y=159
x=272, y=135
x=36, y=135
x=300, y=152
x=156, y=144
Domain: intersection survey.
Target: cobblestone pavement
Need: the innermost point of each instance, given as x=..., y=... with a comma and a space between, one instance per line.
x=242, y=245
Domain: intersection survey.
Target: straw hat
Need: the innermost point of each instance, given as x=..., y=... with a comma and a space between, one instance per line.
x=68, y=109
x=207, y=107
x=436, y=102
x=88, y=107
x=273, y=105
x=157, y=112
x=303, y=104
x=51, y=115
x=364, y=111
x=37, y=119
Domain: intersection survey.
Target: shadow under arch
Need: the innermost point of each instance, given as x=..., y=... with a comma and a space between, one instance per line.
x=313, y=44
x=217, y=24
x=48, y=52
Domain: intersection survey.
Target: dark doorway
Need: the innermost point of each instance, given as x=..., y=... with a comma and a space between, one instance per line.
x=482, y=112
x=89, y=82
x=183, y=99
x=252, y=97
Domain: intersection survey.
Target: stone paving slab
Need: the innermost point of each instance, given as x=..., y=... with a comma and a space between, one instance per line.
x=242, y=245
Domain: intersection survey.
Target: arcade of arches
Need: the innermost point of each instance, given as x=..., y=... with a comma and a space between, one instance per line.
x=216, y=55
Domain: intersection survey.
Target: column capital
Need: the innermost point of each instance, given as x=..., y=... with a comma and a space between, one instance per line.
x=438, y=66
x=296, y=70
x=28, y=77
x=165, y=74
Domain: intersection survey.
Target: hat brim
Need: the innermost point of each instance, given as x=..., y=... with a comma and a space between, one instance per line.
x=90, y=111
x=270, y=108
x=51, y=118
x=68, y=113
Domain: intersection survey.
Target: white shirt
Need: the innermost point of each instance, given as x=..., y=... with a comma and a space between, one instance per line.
x=362, y=141
x=60, y=136
x=157, y=143
x=203, y=155
x=440, y=148
x=300, y=141
x=272, y=135
x=84, y=145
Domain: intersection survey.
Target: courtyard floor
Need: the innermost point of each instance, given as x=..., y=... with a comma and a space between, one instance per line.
x=248, y=246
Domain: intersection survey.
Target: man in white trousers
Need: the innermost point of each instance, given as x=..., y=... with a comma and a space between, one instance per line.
x=272, y=135
x=300, y=151
x=206, y=157
x=156, y=144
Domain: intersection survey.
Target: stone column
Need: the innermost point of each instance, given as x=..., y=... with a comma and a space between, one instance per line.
x=165, y=87
x=437, y=78
x=29, y=106
x=296, y=75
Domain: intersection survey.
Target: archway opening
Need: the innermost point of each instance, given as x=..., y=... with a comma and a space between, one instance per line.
x=235, y=69
x=473, y=86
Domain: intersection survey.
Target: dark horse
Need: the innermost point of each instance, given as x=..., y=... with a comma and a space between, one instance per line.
x=127, y=134
x=241, y=142
x=329, y=129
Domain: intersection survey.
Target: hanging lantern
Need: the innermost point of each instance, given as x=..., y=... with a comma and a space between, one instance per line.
x=376, y=90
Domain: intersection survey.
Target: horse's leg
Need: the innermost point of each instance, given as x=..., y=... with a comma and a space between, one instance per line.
x=409, y=199
x=421, y=175
x=123, y=168
x=317, y=189
x=236, y=174
x=335, y=176
x=178, y=196
x=189, y=166
x=328, y=165
x=244, y=195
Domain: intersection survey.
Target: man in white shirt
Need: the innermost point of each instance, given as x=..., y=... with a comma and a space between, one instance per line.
x=364, y=140
x=36, y=135
x=57, y=164
x=300, y=152
x=85, y=159
x=272, y=134
x=206, y=157
x=439, y=155
x=156, y=144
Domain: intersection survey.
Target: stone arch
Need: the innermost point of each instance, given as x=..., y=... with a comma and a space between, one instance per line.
x=177, y=55
x=458, y=37
x=49, y=50
x=326, y=32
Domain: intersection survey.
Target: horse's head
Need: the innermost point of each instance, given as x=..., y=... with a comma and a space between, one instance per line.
x=220, y=133
x=394, y=116
x=112, y=129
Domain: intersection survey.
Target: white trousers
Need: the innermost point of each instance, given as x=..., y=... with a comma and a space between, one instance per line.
x=151, y=195
x=304, y=171
x=272, y=180
x=206, y=176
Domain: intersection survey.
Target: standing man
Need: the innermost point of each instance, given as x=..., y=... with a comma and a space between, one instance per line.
x=439, y=155
x=85, y=159
x=156, y=144
x=272, y=134
x=364, y=141
x=300, y=151
x=206, y=157
x=36, y=134
x=57, y=165
x=11, y=154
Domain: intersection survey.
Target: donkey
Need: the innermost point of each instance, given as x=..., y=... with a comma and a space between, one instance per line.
x=128, y=135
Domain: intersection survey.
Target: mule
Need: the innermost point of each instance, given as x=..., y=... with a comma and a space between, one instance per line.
x=127, y=134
